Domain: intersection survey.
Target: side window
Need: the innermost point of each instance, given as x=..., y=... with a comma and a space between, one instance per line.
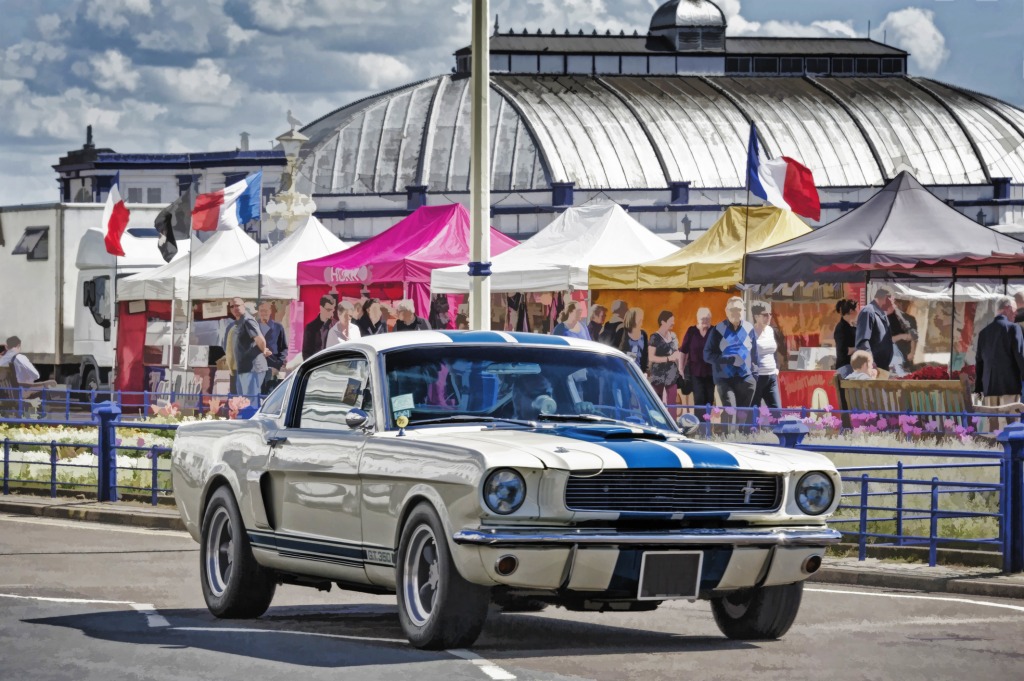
x=332, y=390
x=274, y=404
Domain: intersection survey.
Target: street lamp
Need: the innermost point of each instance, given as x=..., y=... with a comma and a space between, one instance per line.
x=290, y=208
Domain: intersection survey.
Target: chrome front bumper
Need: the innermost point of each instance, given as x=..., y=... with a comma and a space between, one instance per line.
x=764, y=537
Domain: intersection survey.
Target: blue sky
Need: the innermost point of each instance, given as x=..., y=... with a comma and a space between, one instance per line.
x=190, y=75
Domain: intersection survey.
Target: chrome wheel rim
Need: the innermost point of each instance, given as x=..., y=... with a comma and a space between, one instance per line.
x=421, y=576
x=219, y=553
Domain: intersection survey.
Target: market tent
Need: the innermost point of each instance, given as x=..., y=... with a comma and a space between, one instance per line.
x=396, y=263
x=225, y=247
x=714, y=260
x=903, y=223
x=557, y=257
x=275, y=268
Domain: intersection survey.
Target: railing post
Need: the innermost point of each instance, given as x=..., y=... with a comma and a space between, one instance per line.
x=42, y=403
x=53, y=469
x=105, y=413
x=862, y=549
x=7, y=465
x=899, y=503
x=1012, y=438
x=156, y=462
x=933, y=532
x=791, y=432
x=67, y=405
x=21, y=402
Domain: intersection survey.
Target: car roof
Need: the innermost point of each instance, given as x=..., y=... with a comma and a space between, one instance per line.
x=407, y=339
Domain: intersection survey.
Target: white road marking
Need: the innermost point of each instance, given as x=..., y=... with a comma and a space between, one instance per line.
x=87, y=525
x=486, y=666
x=948, y=599
x=243, y=630
x=66, y=600
x=153, y=618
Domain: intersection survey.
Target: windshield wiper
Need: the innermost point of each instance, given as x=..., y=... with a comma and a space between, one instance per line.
x=469, y=418
x=596, y=418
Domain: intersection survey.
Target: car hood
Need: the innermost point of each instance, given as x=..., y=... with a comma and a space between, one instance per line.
x=600, y=446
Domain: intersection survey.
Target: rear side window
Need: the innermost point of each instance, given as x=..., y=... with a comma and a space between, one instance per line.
x=332, y=390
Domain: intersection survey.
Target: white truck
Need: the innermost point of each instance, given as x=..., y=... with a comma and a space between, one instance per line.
x=55, y=274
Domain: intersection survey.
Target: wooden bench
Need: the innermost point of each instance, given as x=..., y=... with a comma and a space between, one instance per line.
x=895, y=395
x=9, y=395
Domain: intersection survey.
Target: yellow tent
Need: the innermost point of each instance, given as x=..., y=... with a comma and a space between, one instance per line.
x=713, y=260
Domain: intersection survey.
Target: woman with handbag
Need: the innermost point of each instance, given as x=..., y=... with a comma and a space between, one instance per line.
x=663, y=360
x=634, y=339
x=699, y=373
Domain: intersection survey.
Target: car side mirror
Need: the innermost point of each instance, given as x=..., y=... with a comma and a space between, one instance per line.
x=689, y=424
x=356, y=418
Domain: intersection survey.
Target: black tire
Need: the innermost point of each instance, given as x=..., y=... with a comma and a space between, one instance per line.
x=758, y=614
x=235, y=586
x=437, y=608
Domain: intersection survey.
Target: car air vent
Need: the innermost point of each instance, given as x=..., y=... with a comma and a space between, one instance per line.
x=673, y=491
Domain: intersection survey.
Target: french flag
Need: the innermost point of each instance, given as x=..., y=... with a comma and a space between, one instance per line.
x=115, y=219
x=229, y=208
x=782, y=182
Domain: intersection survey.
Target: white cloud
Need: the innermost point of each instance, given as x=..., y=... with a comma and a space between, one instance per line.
x=21, y=59
x=204, y=83
x=115, y=14
x=381, y=71
x=914, y=30
x=738, y=25
x=48, y=24
x=113, y=71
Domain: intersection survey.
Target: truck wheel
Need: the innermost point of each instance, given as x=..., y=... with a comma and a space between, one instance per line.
x=758, y=614
x=235, y=586
x=437, y=608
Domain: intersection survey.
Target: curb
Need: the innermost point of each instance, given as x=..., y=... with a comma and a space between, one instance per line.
x=976, y=586
x=96, y=515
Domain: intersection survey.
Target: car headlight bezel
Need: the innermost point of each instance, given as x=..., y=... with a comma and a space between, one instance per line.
x=504, y=491
x=816, y=485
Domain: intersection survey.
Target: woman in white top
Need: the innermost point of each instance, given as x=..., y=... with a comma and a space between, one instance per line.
x=767, y=389
x=345, y=329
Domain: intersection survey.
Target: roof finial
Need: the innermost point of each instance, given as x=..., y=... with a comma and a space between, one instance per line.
x=496, y=27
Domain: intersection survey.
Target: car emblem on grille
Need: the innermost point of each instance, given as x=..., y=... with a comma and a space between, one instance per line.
x=748, y=491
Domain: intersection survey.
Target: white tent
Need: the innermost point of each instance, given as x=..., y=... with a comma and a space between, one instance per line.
x=558, y=256
x=277, y=267
x=225, y=247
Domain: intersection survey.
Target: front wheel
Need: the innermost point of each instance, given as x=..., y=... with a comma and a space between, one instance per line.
x=758, y=614
x=437, y=608
x=235, y=586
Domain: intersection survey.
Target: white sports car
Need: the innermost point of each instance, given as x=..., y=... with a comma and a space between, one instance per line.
x=458, y=469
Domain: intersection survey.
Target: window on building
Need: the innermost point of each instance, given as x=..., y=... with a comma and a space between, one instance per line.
x=524, y=63
x=606, y=64
x=688, y=39
x=634, y=65
x=817, y=65
x=662, y=65
x=579, y=64
x=766, y=65
x=153, y=195
x=34, y=244
x=867, y=67
x=712, y=39
x=892, y=66
x=842, y=66
x=737, y=65
x=134, y=194
x=791, y=65
x=552, y=63
x=499, y=63
x=462, y=64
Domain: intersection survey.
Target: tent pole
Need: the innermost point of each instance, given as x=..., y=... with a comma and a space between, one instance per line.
x=480, y=172
x=952, y=325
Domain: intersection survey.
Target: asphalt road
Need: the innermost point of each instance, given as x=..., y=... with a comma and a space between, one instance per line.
x=86, y=601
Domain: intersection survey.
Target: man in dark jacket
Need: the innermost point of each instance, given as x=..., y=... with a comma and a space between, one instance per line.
x=407, y=319
x=1000, y=357
x=276, y=339
x=873, y=331
x=613, y=331
x=314, y=336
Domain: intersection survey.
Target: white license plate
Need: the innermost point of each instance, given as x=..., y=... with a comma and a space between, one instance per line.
x=669, y=574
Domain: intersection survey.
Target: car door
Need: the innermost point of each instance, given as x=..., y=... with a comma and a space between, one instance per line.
x=314, y=468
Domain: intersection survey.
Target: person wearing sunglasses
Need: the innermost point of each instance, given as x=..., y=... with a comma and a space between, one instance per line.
x=767, y=390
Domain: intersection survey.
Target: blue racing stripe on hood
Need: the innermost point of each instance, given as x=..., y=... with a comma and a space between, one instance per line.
x=705, y=455
x=475, y=336
x=539, y=339
x=636, y=453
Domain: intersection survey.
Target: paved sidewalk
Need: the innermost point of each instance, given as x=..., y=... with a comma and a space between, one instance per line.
x=874, y=572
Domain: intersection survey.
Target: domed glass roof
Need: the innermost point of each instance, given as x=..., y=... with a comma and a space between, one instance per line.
x=687, y=13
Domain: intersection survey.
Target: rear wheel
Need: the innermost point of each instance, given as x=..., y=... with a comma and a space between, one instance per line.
x=235, y=586
x=758, y=614
x=437, y=608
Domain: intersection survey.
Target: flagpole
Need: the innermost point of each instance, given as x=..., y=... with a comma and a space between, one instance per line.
x=259, y=248
x=746, y=223
x=188, y=299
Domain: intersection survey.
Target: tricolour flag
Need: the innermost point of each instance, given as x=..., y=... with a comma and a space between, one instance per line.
x=229, y=208
x=782, y=182
x=115, y=219
x=176, y=217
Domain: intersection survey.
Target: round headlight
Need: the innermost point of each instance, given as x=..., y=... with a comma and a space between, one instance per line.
x=814, y=493
x=504, y=491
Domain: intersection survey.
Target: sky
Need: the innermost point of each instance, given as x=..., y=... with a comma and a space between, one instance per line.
x=163, y=76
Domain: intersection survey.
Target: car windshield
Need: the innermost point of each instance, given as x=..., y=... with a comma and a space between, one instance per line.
x=513, y=383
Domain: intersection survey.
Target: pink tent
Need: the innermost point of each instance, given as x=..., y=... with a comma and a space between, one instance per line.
x=397, y=263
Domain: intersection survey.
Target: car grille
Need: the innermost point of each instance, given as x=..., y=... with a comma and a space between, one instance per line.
x=674, y=491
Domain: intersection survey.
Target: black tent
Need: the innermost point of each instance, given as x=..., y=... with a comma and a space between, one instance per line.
x=903, y=223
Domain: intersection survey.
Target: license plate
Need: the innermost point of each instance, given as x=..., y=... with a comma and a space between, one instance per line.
x=669, y=574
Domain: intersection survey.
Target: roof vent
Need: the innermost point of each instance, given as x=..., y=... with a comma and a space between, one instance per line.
x=608, y=32
x=553, y=32
x=538, y=31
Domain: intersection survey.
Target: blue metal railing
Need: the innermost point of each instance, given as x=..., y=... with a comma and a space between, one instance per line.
x=77, y=405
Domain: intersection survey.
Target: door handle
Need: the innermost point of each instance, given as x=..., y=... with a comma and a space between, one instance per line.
x=275, y=440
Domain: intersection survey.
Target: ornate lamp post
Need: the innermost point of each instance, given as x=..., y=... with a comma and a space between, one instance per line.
x=290, y=208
